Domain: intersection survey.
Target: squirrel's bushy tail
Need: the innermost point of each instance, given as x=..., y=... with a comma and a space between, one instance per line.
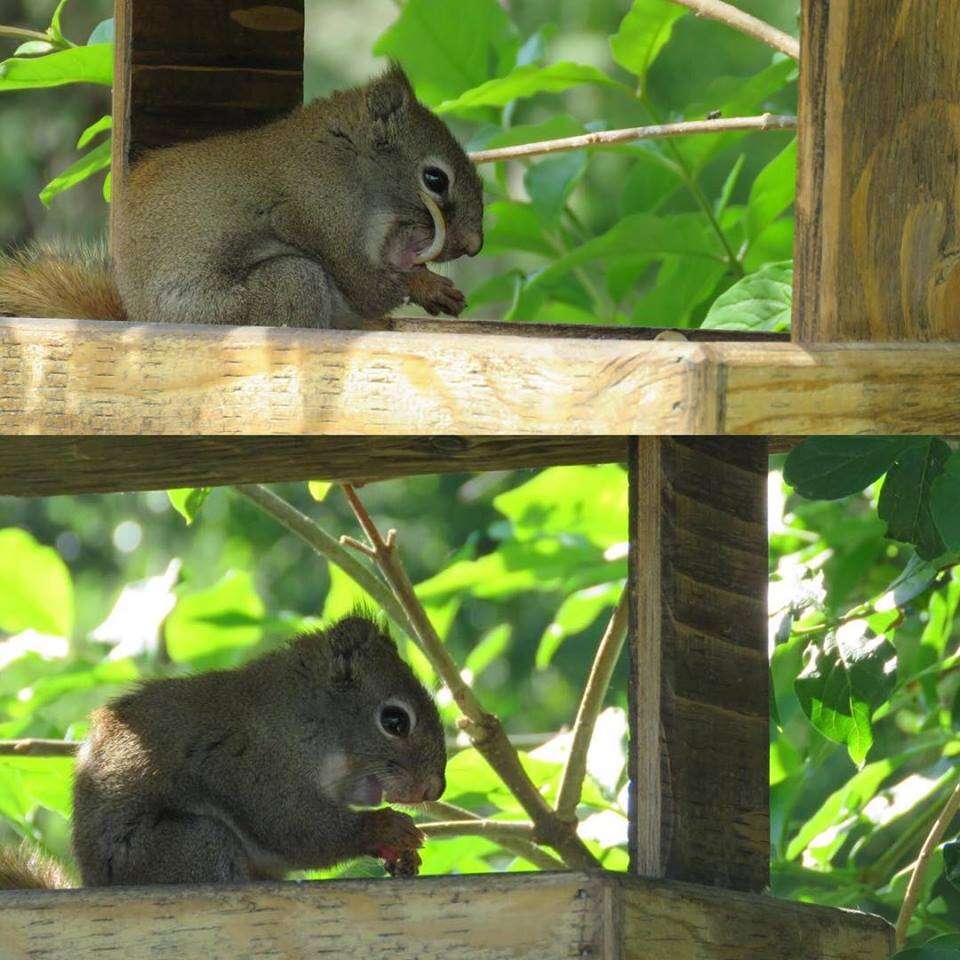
x=26, y=868
x=49, y=281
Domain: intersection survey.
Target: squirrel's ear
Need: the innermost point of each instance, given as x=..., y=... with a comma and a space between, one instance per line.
x=348, y=639
x=387, y=98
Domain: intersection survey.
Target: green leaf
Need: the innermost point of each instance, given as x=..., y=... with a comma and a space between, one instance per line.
x=319, y=489
x=951, y=861
x=915, y=577
x=828, y=468
x=773, y=191
x=217, y=623
x=104, y=123
x=785, y=760
x=447, y=48
x=945, y=502
x=905, y=498
x=33, y=47
x=642, y=35
x=77, y=65
x=729, y=185
x=556, y=128
x=928, y=952
x=96, y=160
x=491, y=647
x=103, y=32
x=843, y=682
x=759, y=301
x=37, y=589
x=577, y=612
x=511, y=225
x=524, y=82
x=54, y=30
x=585, y=501
x=682, y=284
x=552, y=180
x=187, y=501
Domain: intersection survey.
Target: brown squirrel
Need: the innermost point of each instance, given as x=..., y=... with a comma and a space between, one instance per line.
x=323, y=218
x=253, y=772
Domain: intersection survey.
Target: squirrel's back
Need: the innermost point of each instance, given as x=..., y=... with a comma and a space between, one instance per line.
x=50, y=281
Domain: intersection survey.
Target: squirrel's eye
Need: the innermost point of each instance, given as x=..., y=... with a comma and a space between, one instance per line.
x=395, y=720
x=435, y=180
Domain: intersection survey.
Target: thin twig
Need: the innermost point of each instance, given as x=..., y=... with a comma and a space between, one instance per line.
x=937, y=831
x=526, y=849
x=315, y=536
x=745, y=23
x=23, y=34
x=606, y=138
x=484, y=729
x=38, y=748
x=479, y=827
x=608, y=653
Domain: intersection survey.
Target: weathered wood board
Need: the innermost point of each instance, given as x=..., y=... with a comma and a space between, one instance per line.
x=71, y=377
x=878, y=200
x=566, y=916
x=698, y=677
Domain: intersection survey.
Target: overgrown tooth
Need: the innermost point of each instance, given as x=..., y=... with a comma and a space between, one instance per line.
x=439, y=229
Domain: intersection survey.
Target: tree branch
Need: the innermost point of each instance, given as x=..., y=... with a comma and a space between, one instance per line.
x=38, y=748
x=497, y=830
x=23, y=34
x=745, y=23
x=601, y=138
x=608, y=653
x=316, y=537
x=912, y=894
x=484, y=729
x=526, y=849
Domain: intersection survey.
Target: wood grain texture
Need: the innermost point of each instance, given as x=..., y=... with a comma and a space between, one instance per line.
x=685, y=922
x=569, y=916
x=699, y=700
x=544, y=917
x=195, y=68
x=878, y=202
x=71, y=377
x=47, y=466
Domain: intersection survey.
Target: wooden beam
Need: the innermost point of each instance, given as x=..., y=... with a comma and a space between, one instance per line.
x=46, y=466
x=565, y=916
x=72, y=377
x=698, y=680
x=187, y=70
x=878, y=201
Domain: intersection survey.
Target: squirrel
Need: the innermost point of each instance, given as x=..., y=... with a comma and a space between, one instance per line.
x=325, y=217
x=253, y=772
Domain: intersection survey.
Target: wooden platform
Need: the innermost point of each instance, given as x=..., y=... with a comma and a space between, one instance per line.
x=85, y=377
x=562, y=916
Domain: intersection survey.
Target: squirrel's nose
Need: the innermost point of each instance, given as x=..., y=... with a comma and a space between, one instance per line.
x=434, y=787
x=472, y=242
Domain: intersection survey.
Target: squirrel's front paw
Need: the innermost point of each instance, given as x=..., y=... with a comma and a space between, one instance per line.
x=434, y=293
x=395, y=839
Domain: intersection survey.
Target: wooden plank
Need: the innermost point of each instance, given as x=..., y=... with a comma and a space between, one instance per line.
x=87, y=377
x=878, y=202
x=46, y=466
x=191, y=69
x=546, y=917
x=566, y=916
x=698, y=680
x=685, y=922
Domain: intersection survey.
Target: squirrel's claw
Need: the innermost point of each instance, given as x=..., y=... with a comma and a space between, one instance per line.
x=436, y=294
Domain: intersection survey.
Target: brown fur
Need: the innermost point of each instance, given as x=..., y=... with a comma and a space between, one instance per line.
x=27, y=868
x=306, y=221
x=48, y=281
x=253, y=772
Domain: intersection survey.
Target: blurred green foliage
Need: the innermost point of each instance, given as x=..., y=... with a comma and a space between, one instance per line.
x=673, y=232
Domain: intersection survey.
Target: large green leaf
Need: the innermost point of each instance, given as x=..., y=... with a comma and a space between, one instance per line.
x=93, y=64
x=510, y=225
x=827, y=468
x=905, y=498
x=217, y=622
x=450, y=47
x=760, y=301
x=945, y=502
x=526, y=81
x=550, y=182
x=89, y=164
x=773, y=191
x=642, y=34
x=843, y=682
x=37, y=590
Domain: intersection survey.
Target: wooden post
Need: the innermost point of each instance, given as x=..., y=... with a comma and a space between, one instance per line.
x=187, y=70
x=699, y=675
x=878, y=200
